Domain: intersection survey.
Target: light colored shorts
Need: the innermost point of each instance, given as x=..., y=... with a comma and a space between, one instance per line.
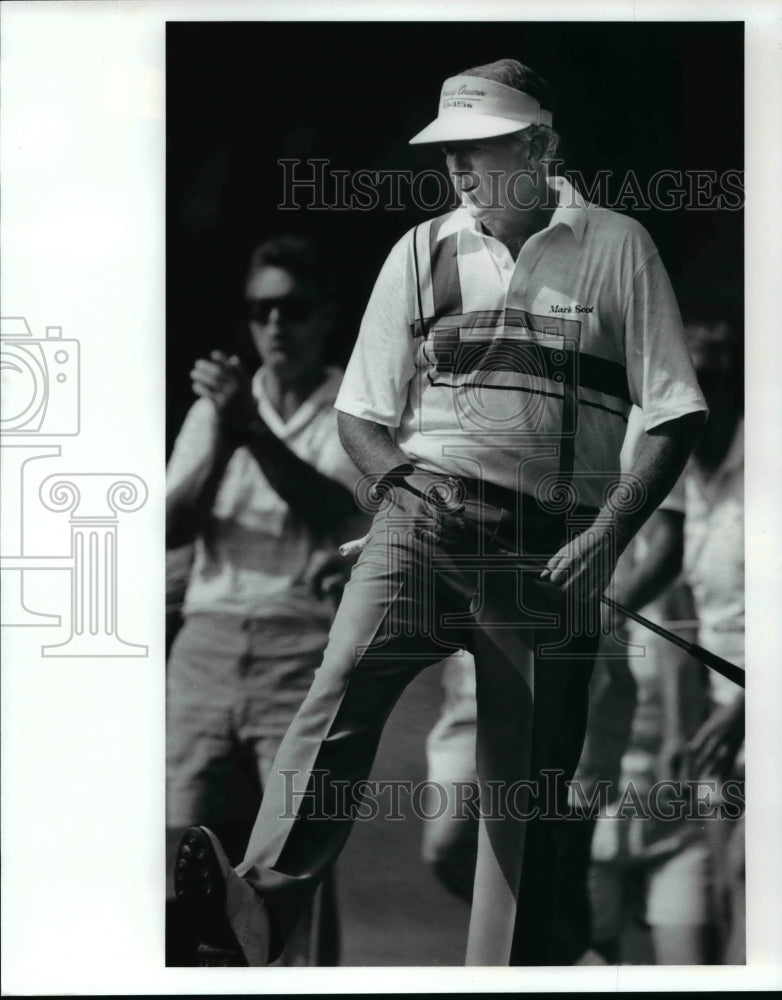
x=671, y=893
x=233, y=689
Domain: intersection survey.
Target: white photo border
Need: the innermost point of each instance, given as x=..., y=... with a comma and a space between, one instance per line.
x=83, y=235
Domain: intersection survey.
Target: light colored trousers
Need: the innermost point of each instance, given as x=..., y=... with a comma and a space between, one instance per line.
x=407, y=607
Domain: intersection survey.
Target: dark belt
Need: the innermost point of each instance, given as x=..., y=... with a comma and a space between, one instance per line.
x=527, y=525
x=502, y=496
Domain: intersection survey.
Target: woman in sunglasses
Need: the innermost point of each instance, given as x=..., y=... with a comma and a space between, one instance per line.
x=259, y=482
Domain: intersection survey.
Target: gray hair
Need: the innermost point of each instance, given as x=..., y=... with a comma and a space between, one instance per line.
x=298, y=255
x=549, y=137
x=513, y=73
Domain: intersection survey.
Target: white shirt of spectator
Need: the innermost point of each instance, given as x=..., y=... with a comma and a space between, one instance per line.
x=258, y=551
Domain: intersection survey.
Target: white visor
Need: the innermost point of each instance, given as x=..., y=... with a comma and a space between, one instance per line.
x=474, y=108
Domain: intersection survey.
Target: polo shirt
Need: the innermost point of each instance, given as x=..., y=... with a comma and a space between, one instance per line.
x=522, y=372
x=258, y=551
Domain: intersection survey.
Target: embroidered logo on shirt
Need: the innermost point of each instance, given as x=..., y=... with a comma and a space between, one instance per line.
x=574, y=308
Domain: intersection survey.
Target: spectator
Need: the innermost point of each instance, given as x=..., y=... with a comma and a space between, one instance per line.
x=260, y=483
x=702, y=534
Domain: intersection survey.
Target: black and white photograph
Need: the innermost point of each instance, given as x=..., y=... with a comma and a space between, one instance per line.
x=376, y=506
x=527, y=298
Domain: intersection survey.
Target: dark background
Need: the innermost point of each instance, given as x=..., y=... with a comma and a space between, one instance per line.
x=641, y=96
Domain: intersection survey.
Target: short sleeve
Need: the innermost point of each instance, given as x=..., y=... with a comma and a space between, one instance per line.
x=382, y=364
x=660, y=373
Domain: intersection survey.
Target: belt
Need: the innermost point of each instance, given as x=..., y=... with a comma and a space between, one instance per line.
x=502, y=496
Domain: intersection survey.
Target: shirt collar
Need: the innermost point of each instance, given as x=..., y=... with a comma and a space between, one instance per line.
x=322, y=397
x=571, y=207
x=570, y=211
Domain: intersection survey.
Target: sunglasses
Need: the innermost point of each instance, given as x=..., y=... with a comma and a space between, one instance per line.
x=294, y=309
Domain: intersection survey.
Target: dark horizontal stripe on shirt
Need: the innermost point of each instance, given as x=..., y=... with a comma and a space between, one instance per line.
x=599, y=406
x=525, y=388
x=459, y=357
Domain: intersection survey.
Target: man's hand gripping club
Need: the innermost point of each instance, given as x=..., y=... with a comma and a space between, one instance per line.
x=433, y=503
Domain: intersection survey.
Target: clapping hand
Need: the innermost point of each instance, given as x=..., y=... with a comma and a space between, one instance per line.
x=227, y=384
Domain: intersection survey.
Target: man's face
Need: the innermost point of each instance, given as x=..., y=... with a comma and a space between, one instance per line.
x=491, y=176
x=288, y=323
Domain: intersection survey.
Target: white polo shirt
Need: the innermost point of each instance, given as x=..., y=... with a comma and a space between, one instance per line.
x=258, y=551
x=522, y=373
